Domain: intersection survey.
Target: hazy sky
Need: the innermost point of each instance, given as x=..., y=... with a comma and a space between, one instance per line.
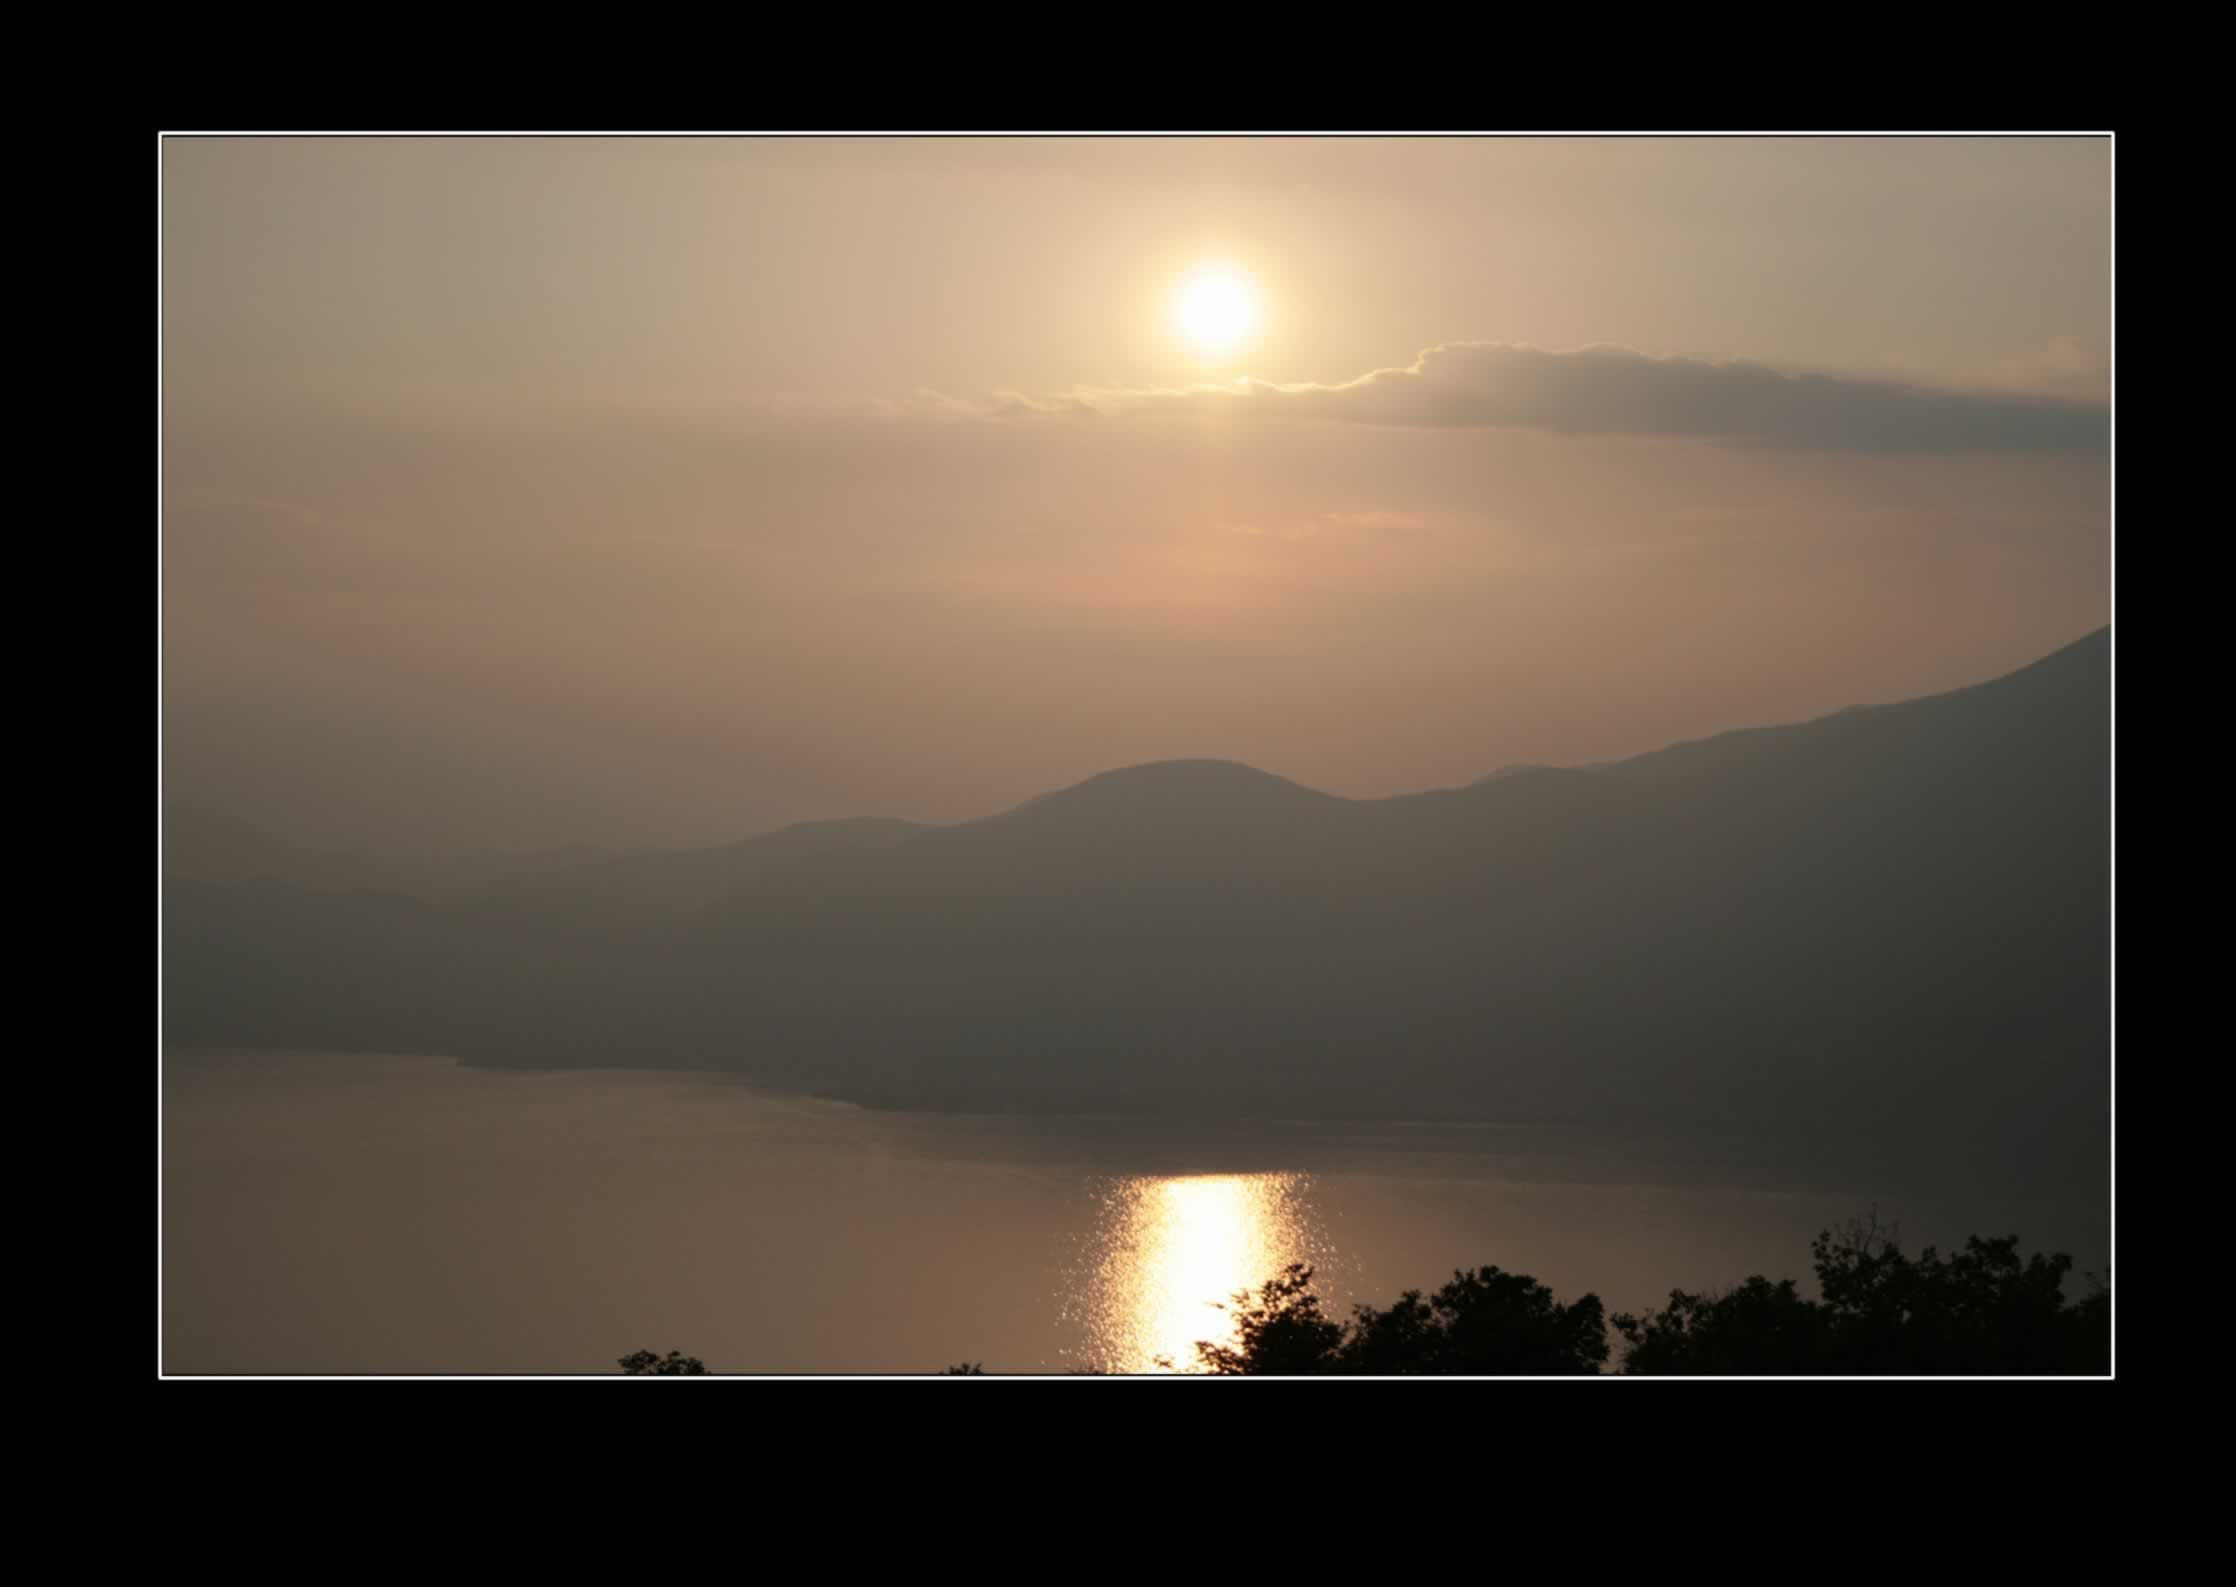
x=522, y=492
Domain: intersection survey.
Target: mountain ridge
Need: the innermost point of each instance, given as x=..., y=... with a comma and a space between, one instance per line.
x=525, y=873
x=1893, y=918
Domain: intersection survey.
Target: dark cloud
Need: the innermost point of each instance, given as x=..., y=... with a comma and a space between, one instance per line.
x=1615, y=391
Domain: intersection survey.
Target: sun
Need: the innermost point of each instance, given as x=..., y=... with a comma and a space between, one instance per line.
x=1217, y=310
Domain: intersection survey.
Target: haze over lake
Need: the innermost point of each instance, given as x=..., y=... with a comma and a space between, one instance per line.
x=369, y=1214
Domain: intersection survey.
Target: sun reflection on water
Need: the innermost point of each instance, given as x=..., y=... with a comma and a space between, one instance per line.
x=1172, y=1250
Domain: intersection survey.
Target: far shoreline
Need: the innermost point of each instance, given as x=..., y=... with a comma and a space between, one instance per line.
x=1801, y=1156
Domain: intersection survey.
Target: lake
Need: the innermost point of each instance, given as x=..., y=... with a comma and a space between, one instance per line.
x=357, y=1214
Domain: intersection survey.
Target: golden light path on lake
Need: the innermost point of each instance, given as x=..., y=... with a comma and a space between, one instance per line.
x=1173, y=1250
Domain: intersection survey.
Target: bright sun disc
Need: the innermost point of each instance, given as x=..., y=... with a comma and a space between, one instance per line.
x=1217, y=311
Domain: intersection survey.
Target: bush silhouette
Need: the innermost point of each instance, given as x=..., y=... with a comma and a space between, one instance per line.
x=644, y=1364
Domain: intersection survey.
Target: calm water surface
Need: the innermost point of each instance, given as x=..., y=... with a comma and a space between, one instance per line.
x=371, y=1214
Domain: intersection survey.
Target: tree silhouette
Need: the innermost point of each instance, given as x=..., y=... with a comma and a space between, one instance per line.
x=1280, y=1329
x=1487, y=1322
x=1757, y=1329
x=1981, y=1311
x=644, y=1364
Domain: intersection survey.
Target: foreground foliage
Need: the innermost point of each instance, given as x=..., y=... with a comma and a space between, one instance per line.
x=1981, y=1311
x=644, y=1364
x=1486, y=1322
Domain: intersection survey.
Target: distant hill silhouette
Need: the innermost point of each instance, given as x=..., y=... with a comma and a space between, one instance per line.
x=1892, y=918
x=638, y=891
